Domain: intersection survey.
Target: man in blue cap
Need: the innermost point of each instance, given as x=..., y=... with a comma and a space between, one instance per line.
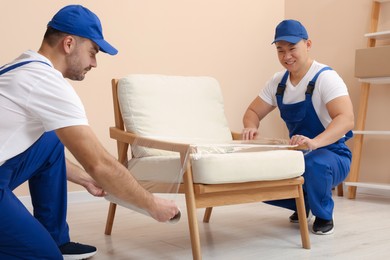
x=314, y=103
x=40, y=114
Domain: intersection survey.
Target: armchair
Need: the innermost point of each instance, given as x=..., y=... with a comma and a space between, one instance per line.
x=172, y=113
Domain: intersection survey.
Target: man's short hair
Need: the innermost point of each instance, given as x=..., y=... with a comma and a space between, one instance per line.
x=52, y=36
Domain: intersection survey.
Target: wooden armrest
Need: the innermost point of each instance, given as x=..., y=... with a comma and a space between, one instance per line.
x=300, y=148
x=236, y=136
x=131, y=138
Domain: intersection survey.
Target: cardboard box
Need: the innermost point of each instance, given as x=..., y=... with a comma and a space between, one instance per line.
x=372, y=62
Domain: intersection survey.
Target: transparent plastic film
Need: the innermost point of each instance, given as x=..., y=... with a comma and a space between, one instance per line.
x=240, y=146
x=158, y=166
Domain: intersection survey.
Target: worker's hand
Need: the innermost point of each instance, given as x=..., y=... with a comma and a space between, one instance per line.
x=304, y=142
x=249, y=133
x=93, y=188
x=163, y=209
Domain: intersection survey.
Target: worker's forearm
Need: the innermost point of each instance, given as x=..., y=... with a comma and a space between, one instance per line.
x=251, y=120
x=339, y=126
x=75, y=174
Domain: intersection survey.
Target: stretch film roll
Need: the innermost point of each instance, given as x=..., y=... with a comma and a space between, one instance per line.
x=113, y=199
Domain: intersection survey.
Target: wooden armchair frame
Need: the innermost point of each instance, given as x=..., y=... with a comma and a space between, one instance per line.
x=207, y=195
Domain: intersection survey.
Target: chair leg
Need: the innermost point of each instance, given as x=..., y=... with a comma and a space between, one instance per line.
x=207, y=214
x=340, y=190
x=110, y=218
x=302, y=219
x=194, y=231
x=191, y=212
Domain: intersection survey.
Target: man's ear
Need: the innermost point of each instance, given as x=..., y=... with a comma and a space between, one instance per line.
x=308, y=44
x=69, y=43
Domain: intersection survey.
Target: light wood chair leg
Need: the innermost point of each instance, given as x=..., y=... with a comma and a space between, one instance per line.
x=340, y=190
x=191, y=212
x=110, y=218
x=207, y=214
x=303, y=226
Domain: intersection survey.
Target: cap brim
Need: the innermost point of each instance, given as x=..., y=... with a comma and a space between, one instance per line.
x=290, y=39
x=106, y=47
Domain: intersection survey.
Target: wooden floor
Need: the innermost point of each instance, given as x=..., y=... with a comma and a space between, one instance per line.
x=251, y=231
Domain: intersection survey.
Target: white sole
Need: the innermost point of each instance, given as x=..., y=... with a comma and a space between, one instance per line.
x=322, y=233
x=79, y=257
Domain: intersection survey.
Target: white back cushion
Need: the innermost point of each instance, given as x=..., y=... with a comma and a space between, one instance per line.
x=173, y=108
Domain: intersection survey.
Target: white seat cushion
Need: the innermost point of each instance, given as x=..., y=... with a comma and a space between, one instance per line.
x=222, y=168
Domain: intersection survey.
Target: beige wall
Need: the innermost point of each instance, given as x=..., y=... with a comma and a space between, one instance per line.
x=229, y=40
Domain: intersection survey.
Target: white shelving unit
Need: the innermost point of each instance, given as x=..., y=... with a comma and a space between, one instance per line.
x=369, y=185
x=378, y=35
x=379, y=80
x=370, y=132
x=360, y=132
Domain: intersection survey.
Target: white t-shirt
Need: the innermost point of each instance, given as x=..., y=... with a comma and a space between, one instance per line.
x=34, y=98
x=329, y=85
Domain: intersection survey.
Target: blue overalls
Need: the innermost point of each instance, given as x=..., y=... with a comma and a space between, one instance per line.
x=325, y=167
x=23, y=236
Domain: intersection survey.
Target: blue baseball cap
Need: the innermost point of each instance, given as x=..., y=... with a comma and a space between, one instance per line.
x=290, y=31
x=78, y=20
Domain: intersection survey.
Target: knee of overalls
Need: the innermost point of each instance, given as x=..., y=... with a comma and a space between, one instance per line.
x=317, y=167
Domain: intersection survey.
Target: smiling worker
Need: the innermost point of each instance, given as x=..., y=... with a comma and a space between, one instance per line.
x=314, y=103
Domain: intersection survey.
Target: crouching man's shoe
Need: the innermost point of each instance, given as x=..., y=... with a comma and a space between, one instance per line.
x=294, y=217
x=323, y=226
x=77, y=251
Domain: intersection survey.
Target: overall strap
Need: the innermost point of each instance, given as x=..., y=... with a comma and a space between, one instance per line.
x=310, y=86
x=16, y=65
x=282, y=84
